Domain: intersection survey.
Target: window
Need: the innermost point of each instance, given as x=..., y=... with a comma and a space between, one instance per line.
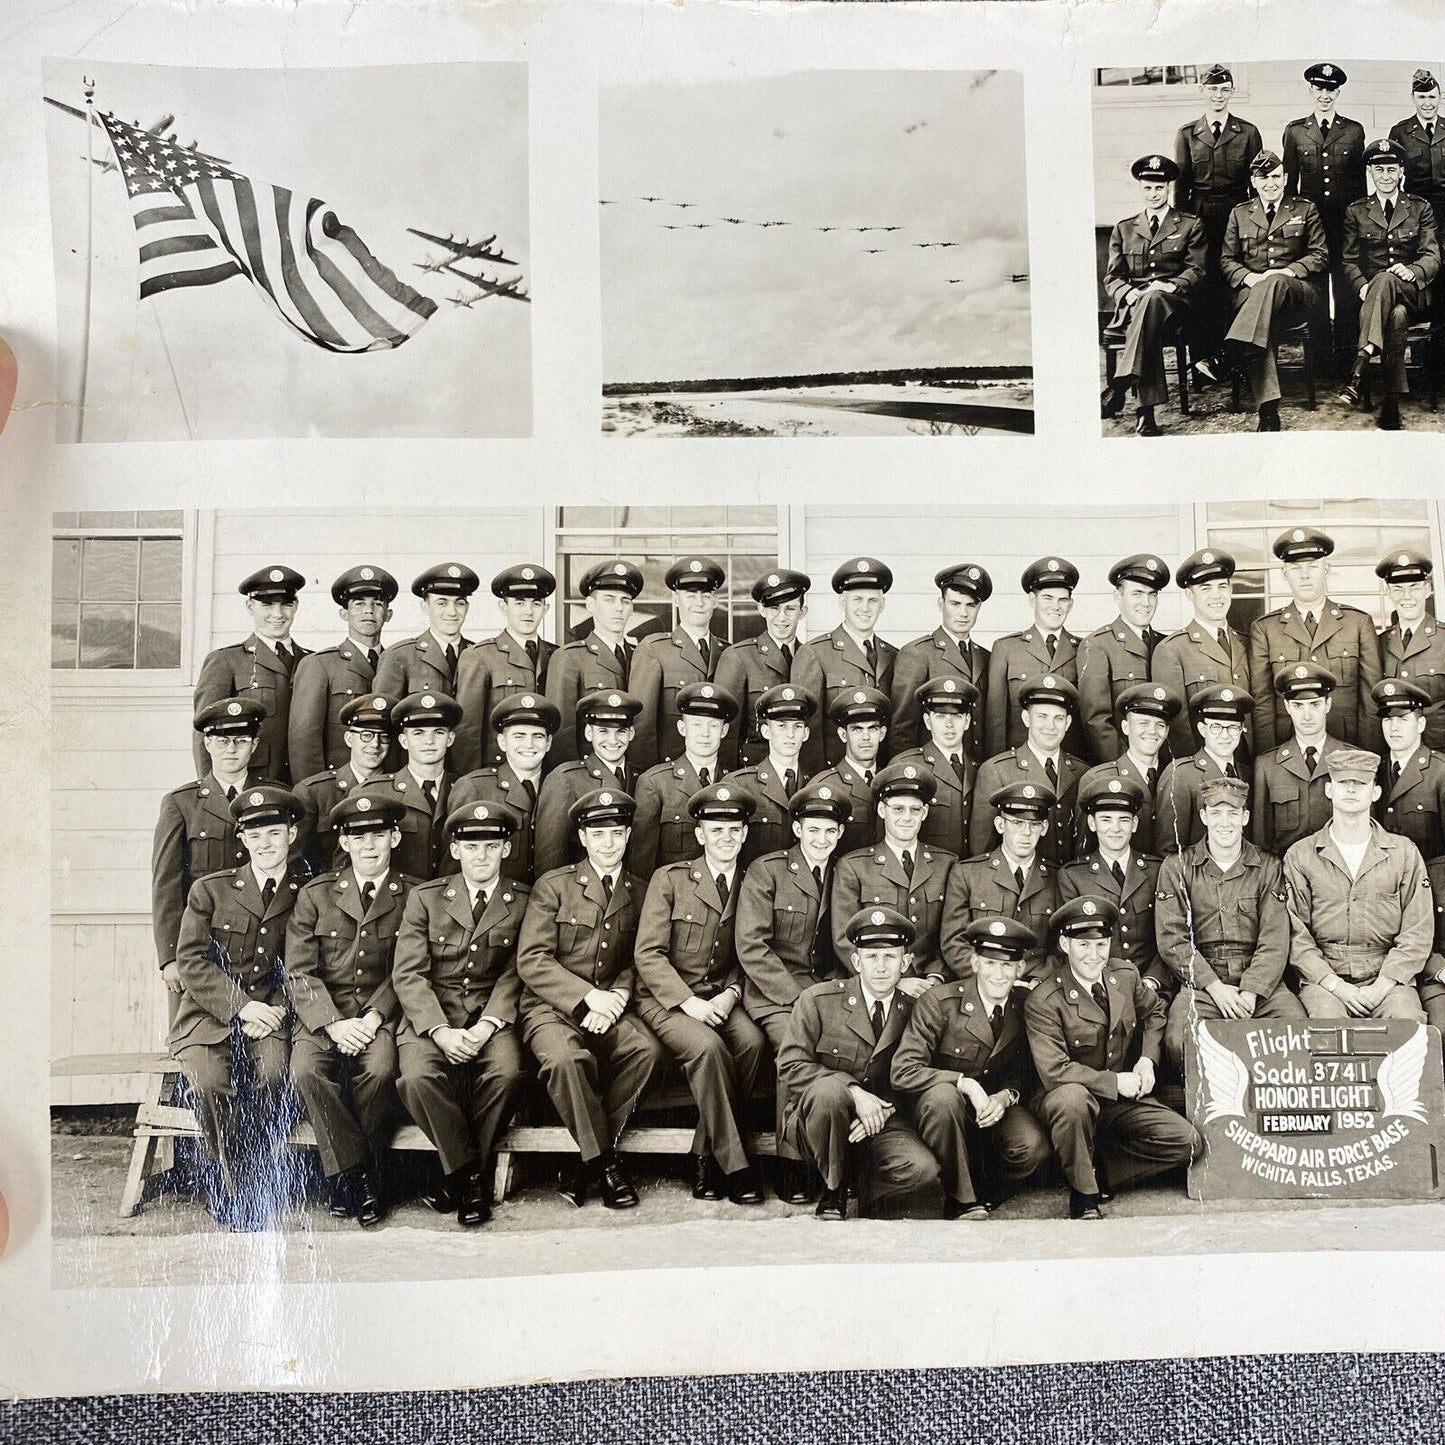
x=1148, y=75
x=116, y=590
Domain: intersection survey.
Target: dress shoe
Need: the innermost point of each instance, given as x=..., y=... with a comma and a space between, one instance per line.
x=1111, y=403
x=343, y=1194
x=617, y=1190
x=706, y=1181
x=957, y=1209
x=744, y=1187
x=1389, y=419
x=369, y=1207
x=1269, y=417
x=1350, y=391
x=440, y=1192
x=1145, y=425
x=793, y=1182
x=475, y=1205
x=1084, y=1206
x=833, y=1203
x=572, y=1183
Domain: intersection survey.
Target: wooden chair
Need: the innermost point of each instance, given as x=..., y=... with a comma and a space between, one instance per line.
x=1418, y=368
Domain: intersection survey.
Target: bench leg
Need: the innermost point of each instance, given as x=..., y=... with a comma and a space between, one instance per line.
x=142, y=1166
x=502, y=1179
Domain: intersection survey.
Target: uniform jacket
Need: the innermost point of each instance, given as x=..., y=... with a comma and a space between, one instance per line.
x=1424, y=159
x=1371, y=246
x=685, y=935
x=501, y=784
x=575, y=670
x=1110, y=660
x=985, y=887
x=1133, y=942
x=782, y=936
x=252, y=670
x=1295, y=242
x=1330, y=171
x=831, y=664
x=422, y=852
x=315, y=838
x=830, y=1032
x=1177, y=820
x=748, y=669
x=1422, y=663
x=949, y=1036
x=1289, y=800
x=1021, y=766
x=554, y=840
x=662, y=664
x=1415, y=806
x=1190, y=660
x=1122, y=767
x=663, y=831
x=922, y=660
x=946, y=825
x=487, y=674
x=1175, y=253
x=864, y=826
x=876, y=875
x=771, y=826
x=1214, y=173
x=1018, y=658
x=418, y=665
x=324, y=683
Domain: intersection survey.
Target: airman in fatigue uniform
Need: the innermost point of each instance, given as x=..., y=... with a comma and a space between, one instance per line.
x=1412, y=776
x=339, y=943
x=525, y=724
x=1421, y=139
x=1154, y=272
x=578, y=1011
x=1049, y=706
x=1019, y=658
x=668, y=662
x=259, y=668
x=1144, y=716
x=229, y=1031
x=948, y=706
x=1413, y=646
x=1223, y=717
x=1012, y=881
x=964, y=1070
x=326, y=681
x=1275, y=257
x=367, y=728
x=783, y=713
x=507, y=665
x=599, y=662
x=836, y=1062
x=429, y=661
x=861, y=717
x=690, y=985
x=456, y=980
x=1312, y=628
x=1222, y=924
x=1095, y=1029
x=1207, y=651
x=1117, y=657
x=949, y=651
x=851, y=656
x=1361, y=912
x=750, y=667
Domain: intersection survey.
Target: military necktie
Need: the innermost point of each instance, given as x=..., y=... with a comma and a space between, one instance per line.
x=1019, y=879
x=1394, y=774
x=372, y=658
x=1269, y=215
x=451, y=656
x=530, y=788
x=1223, y=635
x=868, y=776
x=1389, y=212
x=532, y=652
x=1153, y=225
x=1101, y=997
x=231, y=795
x=877, y=1020
x=607, y=886
x=1324, y=130
x=479, y=907
x=702, y=651
x=1217, y=127
x=288, y=662
x=1430, y=133
x=959, y=770
x=790, y=782
x=870, y=650
x=1052, y=643
x=1311, y=757
x=429, y=791
x=908, y=863
x=1051, y=773
x=722, y=889
x=818, y=878
x=995, y=1019
x=268, y=892
x=1230, y=771
x=704, y=776
x=1117, y=869
x=1150, y=779
x=787, y=657
x=1405, y=638
x=368, y=896
x=1310, y=623
x=964, y=652
x=620, y=653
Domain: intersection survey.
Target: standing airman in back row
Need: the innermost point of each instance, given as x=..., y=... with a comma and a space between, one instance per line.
x=1118, y=656
x=428, y=662
x=1413, y=646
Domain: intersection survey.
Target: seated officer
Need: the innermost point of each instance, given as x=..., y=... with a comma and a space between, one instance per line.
x=1010, y=882
x=339, y=943
x=369, y=732
x=1085, y=1025
x=836, y=1062
x=1143, y=716
x=456, y=981
x=1413, y=646
x=229, y=1031
x=1412, y=778
x=860, y=718
x=689, y=985
x=1221, y=715
x=576, y=964
x=964, y=1068
x=664, y=831
x=428, y=662
x=1222, y=925
x=1361, y=922
x=783, y=716
x=947, y=706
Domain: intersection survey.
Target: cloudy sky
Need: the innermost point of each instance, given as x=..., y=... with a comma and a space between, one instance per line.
x=439, y=147
x=938, y=153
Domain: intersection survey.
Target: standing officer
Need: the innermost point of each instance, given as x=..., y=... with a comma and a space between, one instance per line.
x=599, y=662
x=1223, y=717
x=426, y=727
x=1413, y=646
x=1312, y=628
x=1020, y=658
x=861, y=719
x=260, y=668
x=1207, y=651
x=783, y=713
x=326, y=681
x=1154, y=273
x=429, y=661
x=669, y=661
x=1085, y=1025
x=1421, y=139
x=576, y=964
x=948, y=651
x=456, y=982
x=947, y=706
x=964, y=1068
x=513, y=662
x=1412, y=776
x=1144, y=716
x=1117, y=656
x=1392, y=254
x=339, y=943
x=1324, y=162
x=851, y=655
x=368, y=733
x=689, y=986
x=749, y=668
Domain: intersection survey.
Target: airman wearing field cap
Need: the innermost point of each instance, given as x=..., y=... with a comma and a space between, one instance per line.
x=851, y=656
x=1143, y=716
x=369, y=734
x=862, y=718
x=1413, y=646
x=515, y=661
x=1412, y=775
x=428, y=662
x=259, y=668
x=327, y=680
x=1045, y=648
x=949, y=651
x=948, y=706
x=1117, y=656
x=1421, y=139
x=1222, y=715
x=1362, y=919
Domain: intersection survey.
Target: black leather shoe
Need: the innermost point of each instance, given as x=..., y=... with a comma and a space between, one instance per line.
x=439, y=1193
x=1084, y=1206
x=744, y=1187
x=706, y=1182
x=957, y=1209
x=1145, y=425
x=617, y=1190
x=793, y=1182
x=475, y=1205
x=1389, y=419
x=572, y=1183
x=1269, y=417
x=343, y=1194
x=1350, y=393
x=1111, y=403
x=833, y=1203
x=369, y=1208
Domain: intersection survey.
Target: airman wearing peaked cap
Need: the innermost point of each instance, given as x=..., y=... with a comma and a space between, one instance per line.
x=429, y=661
x=1289, y=782
x=364, y=581
x=950, y=652
x=1045, y=648
x=1117, y=656
x=1412, y=775
x=1413, y=646
x=483, y=820
x=947, y=706
x=1221, y=717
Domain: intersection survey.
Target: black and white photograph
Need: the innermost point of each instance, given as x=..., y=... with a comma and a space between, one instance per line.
x=290, y=253
x=839, y=253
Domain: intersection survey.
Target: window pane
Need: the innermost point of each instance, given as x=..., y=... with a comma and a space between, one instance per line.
x=62, y=637
x=753, y=517
x=159, y=641
x=106, y=521
x=167, y=520
x=160, y=569
x=585, y=517
x=107, y=636
x=64, y=570
x=645, y=517
x=109, y=572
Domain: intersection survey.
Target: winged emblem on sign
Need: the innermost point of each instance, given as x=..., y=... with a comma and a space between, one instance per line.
x=1225, y=1076
x=1398, y=1077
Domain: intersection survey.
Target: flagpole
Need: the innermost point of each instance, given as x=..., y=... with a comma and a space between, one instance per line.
x=89, y=251
x=175, y=380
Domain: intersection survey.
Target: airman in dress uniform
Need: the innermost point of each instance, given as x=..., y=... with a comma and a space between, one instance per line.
x=260, y=668
x=1421, y=139
x=851, y=656
x=1413, y=646
x=836, y=1062
x=1117, y=657
x=1223, y=716
x=1412, y=776
x=326, y=681
x=1207, y=652
x=1154, y=272
x=949, y=651
x=1312, y=628
x=369, y=735
x=1222, y=924
x=1144, y=716
x=1018, y=658
x=689, y=986
x=750, y=667
x=456, y=981
x=948, y=706
x=964, y=1069
x=428, y=662
x=1095, y=1029
x=507, y=665
x=339, y=943
x=578, y=1014
x=599, y=662
x=783, y=715
x=861, y=718
x=1361, y=912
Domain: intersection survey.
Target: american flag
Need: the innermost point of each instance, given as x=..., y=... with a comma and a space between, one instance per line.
x=199, y=222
